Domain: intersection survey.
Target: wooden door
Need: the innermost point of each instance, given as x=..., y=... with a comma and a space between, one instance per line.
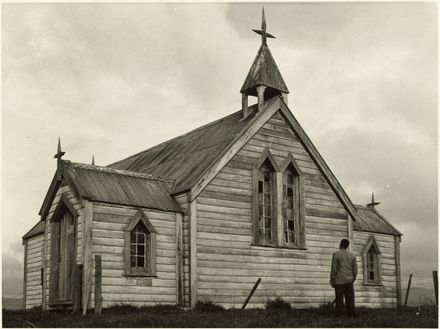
x=66, y=257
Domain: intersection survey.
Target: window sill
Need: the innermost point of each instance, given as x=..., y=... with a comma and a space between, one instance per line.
x=277, y=247
x=372, y=284
x=60, y=303
x=141, y=275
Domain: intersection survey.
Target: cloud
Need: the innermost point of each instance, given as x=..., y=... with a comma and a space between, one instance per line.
x=12, y=273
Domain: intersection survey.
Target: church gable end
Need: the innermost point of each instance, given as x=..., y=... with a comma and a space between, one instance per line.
x=378, y=282
x=140, y=246
x=228, y=222
x=141, y=269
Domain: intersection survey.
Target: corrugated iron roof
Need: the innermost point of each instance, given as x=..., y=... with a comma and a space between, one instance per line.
x=370, y=220
x=185, y=158
x=34, y=231
x=264, y=71
x=122, y=187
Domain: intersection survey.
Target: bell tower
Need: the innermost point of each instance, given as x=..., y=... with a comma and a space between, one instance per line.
x=264, y=79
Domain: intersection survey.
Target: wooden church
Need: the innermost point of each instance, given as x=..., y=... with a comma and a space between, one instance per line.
x=202, y=216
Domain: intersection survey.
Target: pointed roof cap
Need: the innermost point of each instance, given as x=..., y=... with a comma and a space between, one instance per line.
x=264, y=71
x=59, y=153
x=372, y=203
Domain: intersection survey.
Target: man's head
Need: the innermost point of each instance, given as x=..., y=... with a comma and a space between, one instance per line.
x=344, y=244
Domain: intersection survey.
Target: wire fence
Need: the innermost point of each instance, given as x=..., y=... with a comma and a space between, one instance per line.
x=421, y=289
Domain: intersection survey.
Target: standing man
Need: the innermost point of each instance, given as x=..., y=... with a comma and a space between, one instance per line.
x=342, y=275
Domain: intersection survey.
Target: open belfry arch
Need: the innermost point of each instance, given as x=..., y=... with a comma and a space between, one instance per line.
x=202, y=216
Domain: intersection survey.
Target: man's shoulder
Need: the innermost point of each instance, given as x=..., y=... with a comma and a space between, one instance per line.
x=351, y=254
x=343, y=252
x=337, y=253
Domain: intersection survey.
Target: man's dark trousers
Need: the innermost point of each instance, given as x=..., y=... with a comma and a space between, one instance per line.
x=347, y=291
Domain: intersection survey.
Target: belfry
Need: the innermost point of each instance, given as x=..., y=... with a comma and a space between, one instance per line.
x=264, y=79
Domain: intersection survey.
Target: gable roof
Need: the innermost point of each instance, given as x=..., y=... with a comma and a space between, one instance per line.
x=193, y=159
x=264, y=72
x=185, y=158
x=270, y=108
x=34, y=231
x=108, y=185
x=370, y=220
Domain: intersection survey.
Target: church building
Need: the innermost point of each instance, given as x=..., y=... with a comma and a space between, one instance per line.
x=204, y=215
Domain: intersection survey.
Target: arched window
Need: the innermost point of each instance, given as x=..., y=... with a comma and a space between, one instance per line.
x=139, y=247
x=265, y=201
x=372, y=274
x=140, y=251
x=292, y=204
x=372, y=264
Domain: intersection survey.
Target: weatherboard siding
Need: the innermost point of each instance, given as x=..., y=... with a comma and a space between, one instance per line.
x=33, y=263
x=228, y=264
x=108, y=227
x=182, y=201
x=74, y=201
x=386, y=294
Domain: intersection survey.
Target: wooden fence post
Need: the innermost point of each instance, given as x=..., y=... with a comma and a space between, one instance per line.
x=78, y=288
x=98, y=283
x=435, y=278
x=251, y=293
x=407, y=289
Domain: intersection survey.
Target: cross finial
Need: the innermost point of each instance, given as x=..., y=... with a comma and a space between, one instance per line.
x=262, y=32
x=93, y=159
x=59, y=153
x=372, y=203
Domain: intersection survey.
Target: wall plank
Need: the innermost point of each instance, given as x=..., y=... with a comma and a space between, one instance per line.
x=33, y=264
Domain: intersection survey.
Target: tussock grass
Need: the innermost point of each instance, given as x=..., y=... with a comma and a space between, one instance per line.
x=277, y=304
x=209, y=307
x=208, y=314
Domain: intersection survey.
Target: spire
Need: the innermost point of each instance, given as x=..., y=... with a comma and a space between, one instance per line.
x=372, y=204
x=58, y=156
x=262, y=32
x=93, y=159
x=264, y=79
x=59, y=153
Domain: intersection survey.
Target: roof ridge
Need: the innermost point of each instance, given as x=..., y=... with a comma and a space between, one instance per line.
x=361, y=206
x=378, y=214
x=118, y=171
x=386, y=220
x=28, y=234
x=180, y=136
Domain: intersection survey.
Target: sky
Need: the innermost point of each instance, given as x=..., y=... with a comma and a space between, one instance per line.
x=114, y=79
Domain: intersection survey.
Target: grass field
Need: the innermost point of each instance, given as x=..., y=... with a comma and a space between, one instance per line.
x=209, y=315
